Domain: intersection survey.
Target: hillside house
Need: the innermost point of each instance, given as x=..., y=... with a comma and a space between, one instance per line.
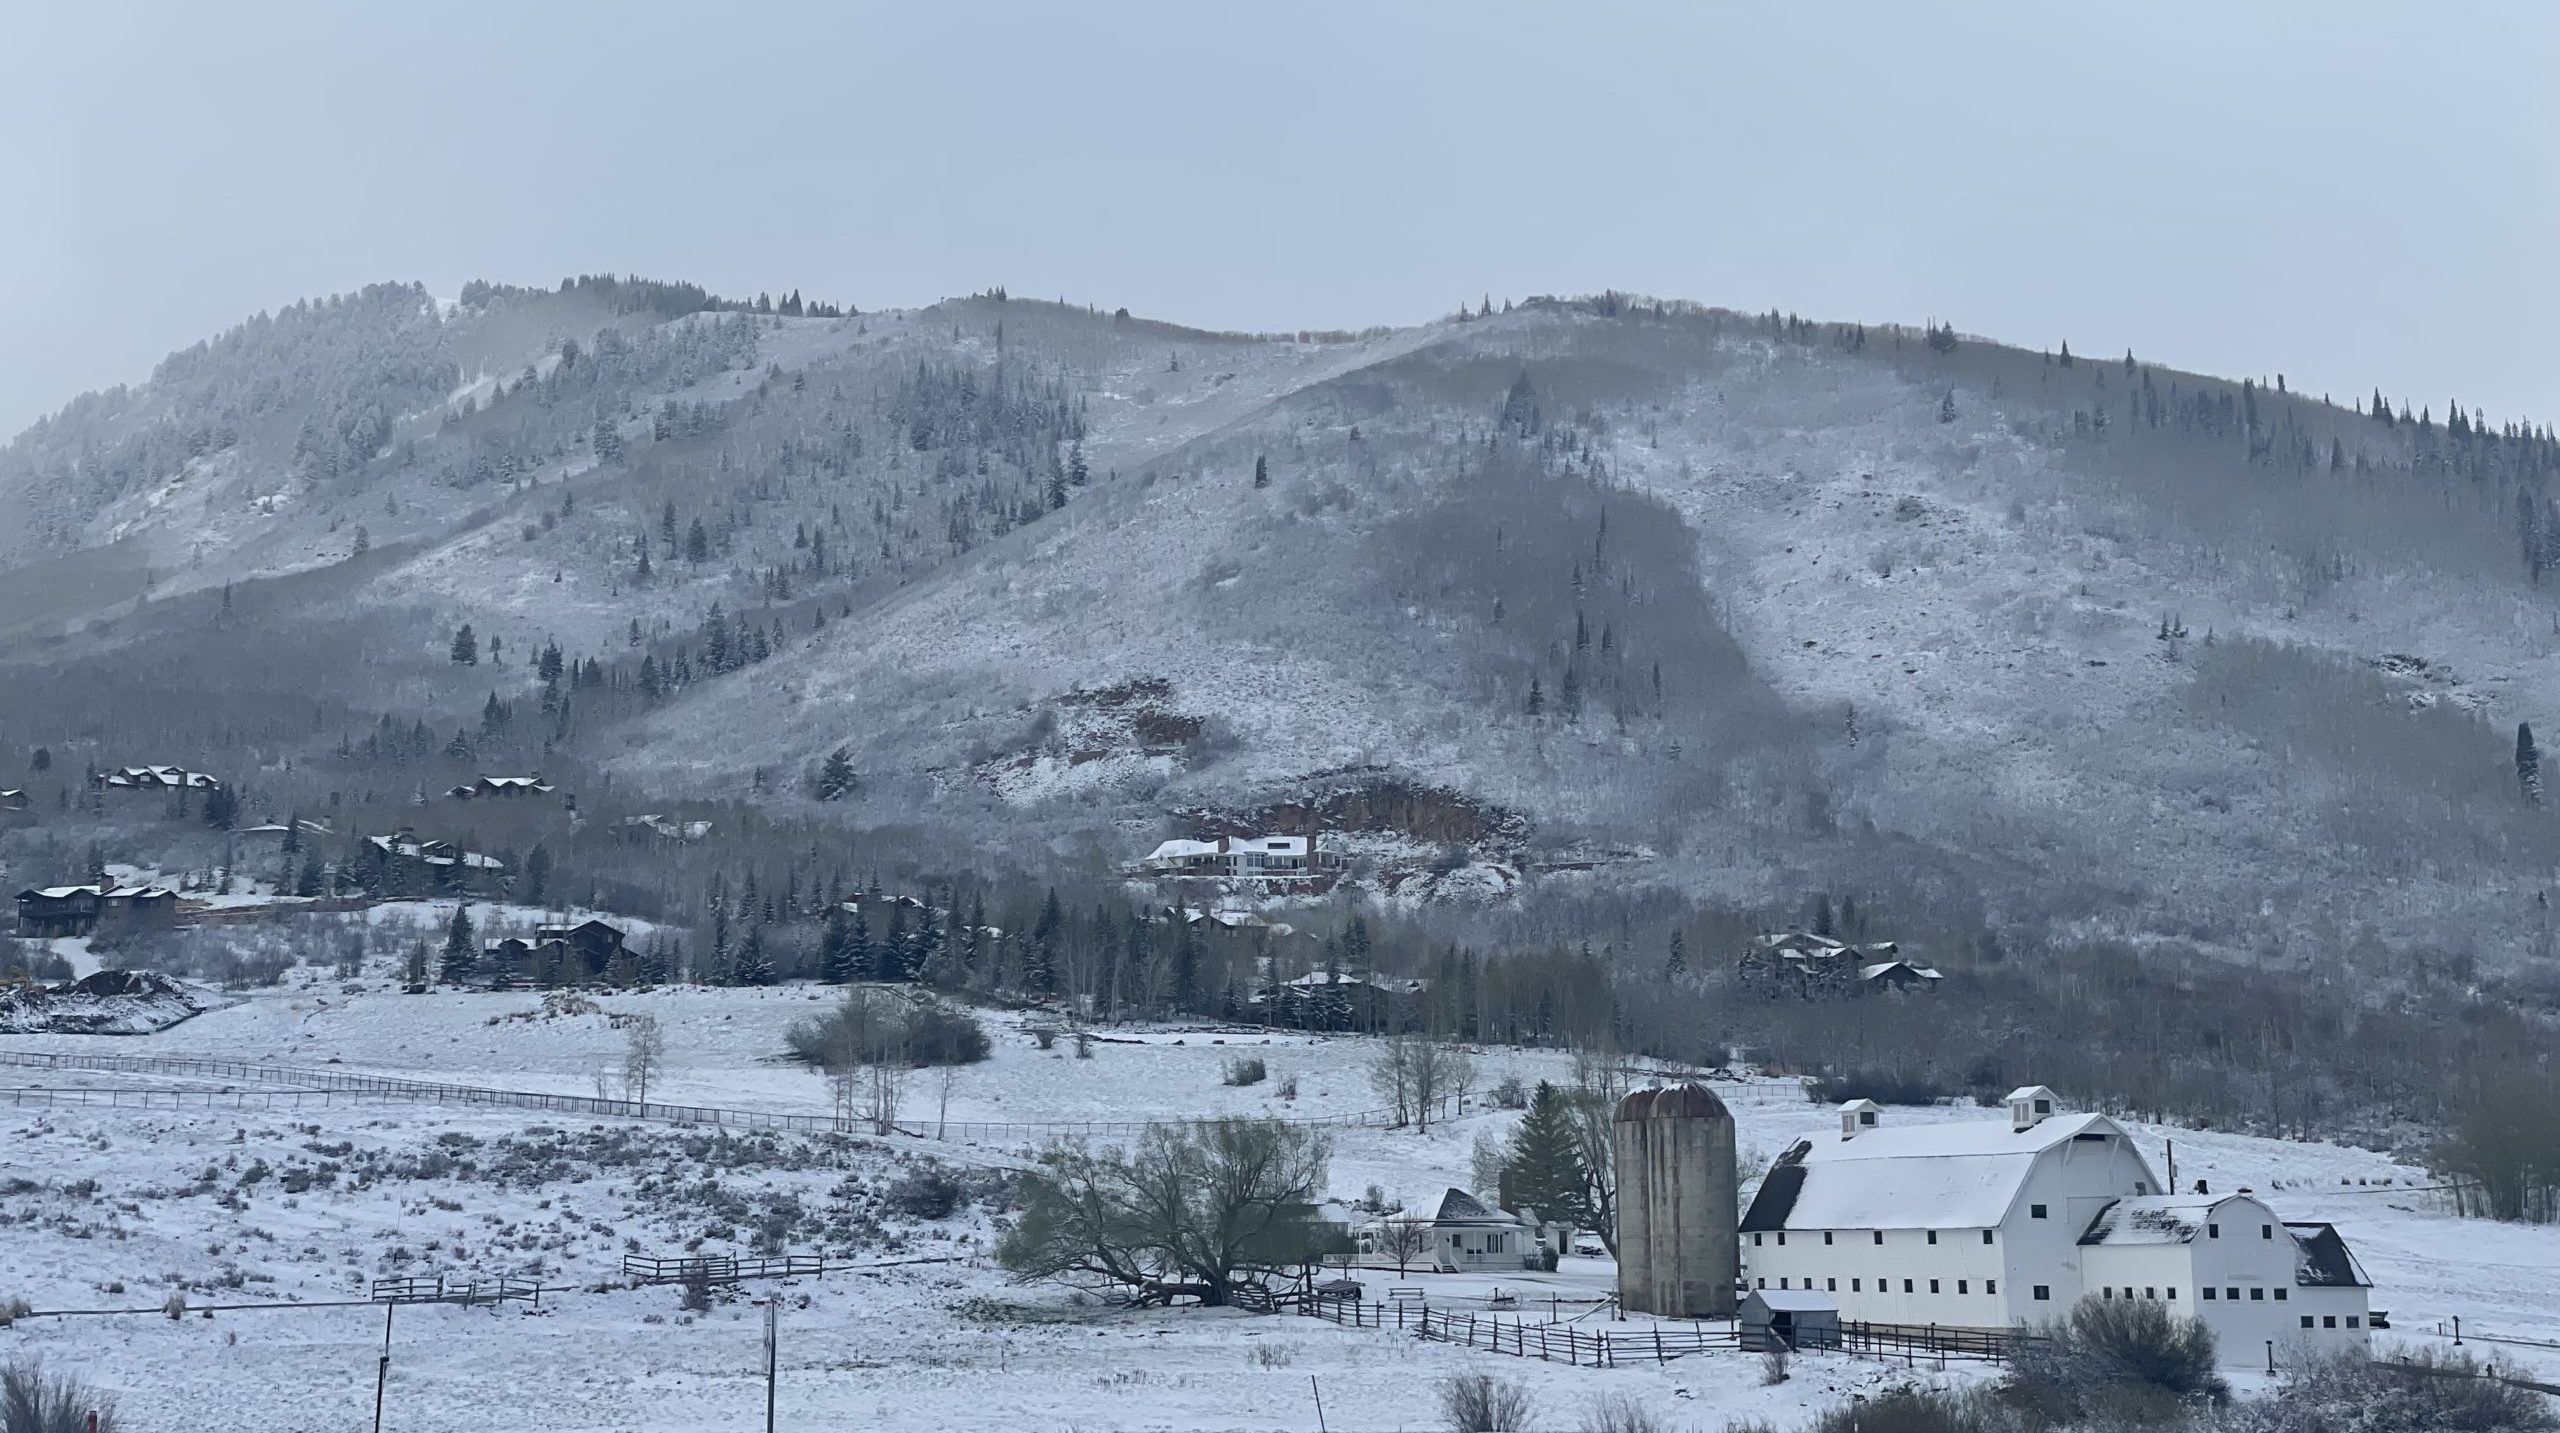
x=1452, y=1232
x=590, y=945
x=1898, y=975
x=51, y=911
x=1342, y=1000
x=1244, y=858
x=1804, y=963
x=502, y=788
x=2007, y=1223
x=668, y=828
x=152, y=778
x=445, y=865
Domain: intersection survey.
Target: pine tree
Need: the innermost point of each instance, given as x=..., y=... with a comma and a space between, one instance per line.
x=466, y=647
x=2528, y=765
x=221, y=808
x=754, y=966
x=697, y=543
x=835, y=948
x=1676, y=964
x=1261, y=471
x=1947, y=407
x=1537, y=704
x=1040, y=972
x=461, y=947
x=835, y=778
x=1545, y=1171
x=537, y=874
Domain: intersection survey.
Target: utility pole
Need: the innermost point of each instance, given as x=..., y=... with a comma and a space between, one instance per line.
x=382, y=1371
x=772, y=1324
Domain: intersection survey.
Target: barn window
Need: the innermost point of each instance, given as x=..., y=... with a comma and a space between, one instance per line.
x=2107, y=1292
x=2213, y=1231
x=2142, y=1186
x=2149, y=1292
x=2354, y=1322
x=1782, y=1238
x=1879, y=1236
x=1831, y=1286
x=2035, y=1211
x=1991, y=1286
x=2257, y=1296
x=1960, y=1287
x=2208, y=1294
x=2173, y=1293
x=1782, y=1281
x=2329, y=1321
x=1764, y=1283
x=1906, y=1286
x=1826, y=1238
x=1933, y=1236
x=2044, y=1291
x=2306, y=1320
x=2280, y=1293
x=1853, y=1286
x=2231, y=1294
x=1755, y=1241
x=2266, y=1231
x=1933, y=1286
x=1986, y=1236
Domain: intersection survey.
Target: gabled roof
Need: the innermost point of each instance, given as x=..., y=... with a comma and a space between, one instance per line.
x=1943, y=1176
x=1870, y=972
x=1456, y=1206
x=2156, y=1218
x=2322, y=1259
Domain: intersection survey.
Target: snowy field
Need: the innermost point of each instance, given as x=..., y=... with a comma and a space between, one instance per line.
x=119, y=1208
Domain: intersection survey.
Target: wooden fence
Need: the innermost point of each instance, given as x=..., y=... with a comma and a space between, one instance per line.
x=720, y=1269
x=435, y=1289
x=1610, y=1347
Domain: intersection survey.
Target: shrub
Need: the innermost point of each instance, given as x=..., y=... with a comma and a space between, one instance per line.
x=1482, y=1403
x=1881, y=1086
x=1773, y=1365
x=1918, y=1410
x=1510, y=1094
x=696, y=1298
x=1617, y=1413
x=2130, y=1358
x=176, y=1307
x=1084, y=1045
x=33, y=1401
x=927, y=1193
x=2414, y=1391
x=12, y=1310
x=1045, y=1036
x=921, y=1033
x=1272, y=1355
x=1245, y=1070
x=1288, y=1087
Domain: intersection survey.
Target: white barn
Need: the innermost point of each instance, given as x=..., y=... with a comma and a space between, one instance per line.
x=2006, y=1223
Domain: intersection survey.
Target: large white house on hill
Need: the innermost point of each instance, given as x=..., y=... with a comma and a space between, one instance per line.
x=2004, y=1223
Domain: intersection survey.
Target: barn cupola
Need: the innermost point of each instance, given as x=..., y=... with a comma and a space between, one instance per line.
x=1858, y=1115
x=2028, y=1107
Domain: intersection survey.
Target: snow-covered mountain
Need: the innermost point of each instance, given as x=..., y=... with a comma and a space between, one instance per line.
x=1599, y=590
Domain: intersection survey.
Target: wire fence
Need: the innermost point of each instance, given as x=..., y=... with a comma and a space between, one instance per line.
x=1568, y=1343
x=383, y=1087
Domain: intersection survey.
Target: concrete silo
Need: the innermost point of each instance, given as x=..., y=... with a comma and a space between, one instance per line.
x=1679, y=1245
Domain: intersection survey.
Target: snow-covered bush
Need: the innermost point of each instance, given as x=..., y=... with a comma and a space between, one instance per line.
x=1482, y=1403
x=2413, y=1391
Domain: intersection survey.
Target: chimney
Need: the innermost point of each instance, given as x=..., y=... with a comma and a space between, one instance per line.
x=1858, y=1115
x=2028, y=1107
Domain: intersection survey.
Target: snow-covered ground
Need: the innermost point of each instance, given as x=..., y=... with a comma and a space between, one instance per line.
x=120, y=1208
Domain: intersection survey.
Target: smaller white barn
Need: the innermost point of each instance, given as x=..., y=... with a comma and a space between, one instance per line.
x=2229, y=1260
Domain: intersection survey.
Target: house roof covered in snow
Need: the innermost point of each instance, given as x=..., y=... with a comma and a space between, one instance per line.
x=2322, y=1259
x=1182, y=850
x=1883, y=967
x=1456, y=1206
x=1944, y=1176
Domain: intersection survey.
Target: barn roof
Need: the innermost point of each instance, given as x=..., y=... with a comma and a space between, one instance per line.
x=1945, y=1176
x=1796, y=1301
x=2156, y=1218
x=2323, y=1259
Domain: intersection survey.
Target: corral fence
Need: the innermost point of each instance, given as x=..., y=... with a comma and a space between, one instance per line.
x=1612, y=1347
x=721, y=1268
x=436, y=1289
x=384, y=1087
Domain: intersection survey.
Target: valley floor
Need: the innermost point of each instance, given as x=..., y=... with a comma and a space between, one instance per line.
x=120, y=1208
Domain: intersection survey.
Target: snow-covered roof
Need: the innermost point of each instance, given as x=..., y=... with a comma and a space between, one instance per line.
x=1182, y=850
x=2323, y=1260
x=2155, y=1218
x=1456, y=1206
x=1320, y=980
x=1943, y=1176
x=1870, y=972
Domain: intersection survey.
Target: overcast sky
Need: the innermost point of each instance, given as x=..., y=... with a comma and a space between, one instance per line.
x=2352, y=195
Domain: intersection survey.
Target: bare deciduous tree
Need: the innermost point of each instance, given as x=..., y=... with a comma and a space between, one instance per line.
x=644, y=1046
